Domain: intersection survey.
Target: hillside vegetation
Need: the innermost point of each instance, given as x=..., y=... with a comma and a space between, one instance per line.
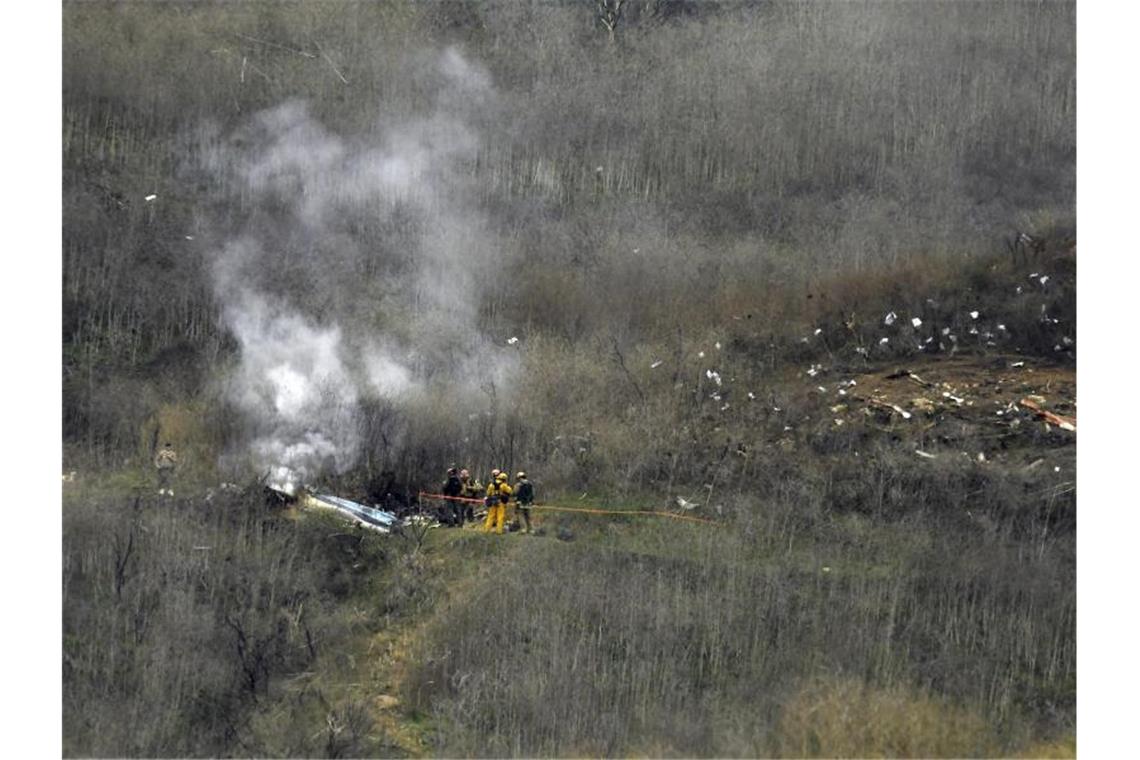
x=797, y=263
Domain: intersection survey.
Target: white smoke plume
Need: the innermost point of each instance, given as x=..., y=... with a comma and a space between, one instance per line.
x=307, y=298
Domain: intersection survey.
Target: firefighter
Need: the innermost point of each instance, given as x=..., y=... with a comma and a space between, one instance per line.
x=165, y=461
x=491, y=500
x=505, y=491
x=524, y=498
x=498, y=495
x=452, y=508
x=468, y=489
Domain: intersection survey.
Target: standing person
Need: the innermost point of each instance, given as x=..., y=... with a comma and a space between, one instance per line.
x=165, y=461
x=469, y=489
x=498, y=494
x=524, y=498
x=491, y=500
x=452, y=488
x=505, y=491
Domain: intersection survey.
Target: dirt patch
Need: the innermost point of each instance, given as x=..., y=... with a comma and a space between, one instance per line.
x=1002, y=408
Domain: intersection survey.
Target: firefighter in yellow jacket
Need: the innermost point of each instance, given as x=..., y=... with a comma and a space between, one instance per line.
x=498, y=495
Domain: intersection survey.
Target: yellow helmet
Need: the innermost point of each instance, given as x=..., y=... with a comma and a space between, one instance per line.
x=501, y=477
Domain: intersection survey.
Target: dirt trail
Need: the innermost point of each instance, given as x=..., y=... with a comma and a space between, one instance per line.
x=444, y=561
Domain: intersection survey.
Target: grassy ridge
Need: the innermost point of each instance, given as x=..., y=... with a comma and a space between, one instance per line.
x=785, y=631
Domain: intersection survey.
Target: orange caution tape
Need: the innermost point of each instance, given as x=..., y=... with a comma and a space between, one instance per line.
x=554, y=508
x=1065, y=423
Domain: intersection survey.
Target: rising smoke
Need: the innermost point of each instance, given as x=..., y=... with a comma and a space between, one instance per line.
x=313, y=302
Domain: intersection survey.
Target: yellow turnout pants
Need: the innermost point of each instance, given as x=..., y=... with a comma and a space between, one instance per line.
x=496, y=513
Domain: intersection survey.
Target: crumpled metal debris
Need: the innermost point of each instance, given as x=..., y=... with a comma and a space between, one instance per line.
x=368, y=517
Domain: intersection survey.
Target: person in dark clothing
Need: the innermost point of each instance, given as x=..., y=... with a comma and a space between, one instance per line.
x=524, y=498
x=452, y=508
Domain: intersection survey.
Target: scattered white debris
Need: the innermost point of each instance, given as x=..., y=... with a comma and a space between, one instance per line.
x=884, y=341
x=714, y=376
x=973, y=315
x=150, y=197
x=512, y=340
x=1033, y=275
x=751, y=395
x=916, y=322
x=777, y=409
x=714, y=396
x=981, y=456
x=189, y=237
x=700, y=354
x=814, y=370
x=1017, y=364
x=903, y=412
x=861, y=350
x=717, y=345
x=924, y=455
x=686, y=504
x=973, y=331
x=838, y=422
x=1002, y=328
x=1056, y=469
x=1067, y=340
x=822, y=389
x=952, y=397
x=826, y=569
x=1044, y=279
x=724, y=408
x=945, y=330
x=890, y=318
x=842, y=392
x=656, y=364
x=928, y=340
x=818, y=330
x=1019, y=290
